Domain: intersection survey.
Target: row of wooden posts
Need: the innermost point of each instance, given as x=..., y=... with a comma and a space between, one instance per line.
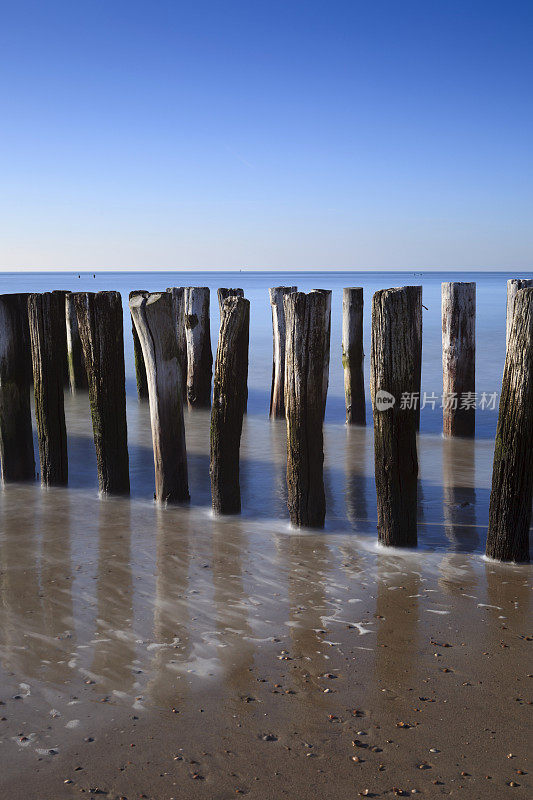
x=76, y=339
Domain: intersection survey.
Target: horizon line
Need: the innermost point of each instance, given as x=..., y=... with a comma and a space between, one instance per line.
x=215, y=270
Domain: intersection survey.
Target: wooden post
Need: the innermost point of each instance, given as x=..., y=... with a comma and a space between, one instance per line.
x=223, y=293
x=325, y=379
x=100, y=324
x=46, y=329
x=277, y=392
x=199, y=355
x=61, y=334
x=230, y=392
x=306, y=317
x=140, y=369
x=415, y=292
x=76, y=362
x=16, y=438
x=353, y=355
x=458, y=358
x=178, y=297
x=393, y=363
x=155, y=321
x=512, y=472
x=513, y=286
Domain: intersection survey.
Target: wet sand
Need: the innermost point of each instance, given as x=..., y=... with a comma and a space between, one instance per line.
x=192, y=658
x=159, y=653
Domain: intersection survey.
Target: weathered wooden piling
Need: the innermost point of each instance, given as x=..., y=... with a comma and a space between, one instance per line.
x=277, y=392
x=306, y=319
x=230, y=392
x=46, y=329
x=199, y=355
x=100, y=324
x=416, y=384
x=223, y=293
x=178, y=297
x=325, y=381
x=512, y=472
x=353, y=355
x=61, y=334
x=513, y=286
x=76, y=362
x=140, y=368
x=155, y=321
x=458, y=358
x=16, y=439
x=395, y=353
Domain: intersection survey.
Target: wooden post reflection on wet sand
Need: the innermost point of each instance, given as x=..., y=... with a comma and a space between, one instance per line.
x=100, y=324
x=394, y=367
x=155, y=321
x=512, y=474
x=230, y=391
x=307, y=325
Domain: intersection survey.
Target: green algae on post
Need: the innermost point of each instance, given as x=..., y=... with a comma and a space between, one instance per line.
x=100, y=324
x=230, y=392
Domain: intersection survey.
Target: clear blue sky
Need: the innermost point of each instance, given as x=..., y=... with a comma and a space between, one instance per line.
x=380, y=134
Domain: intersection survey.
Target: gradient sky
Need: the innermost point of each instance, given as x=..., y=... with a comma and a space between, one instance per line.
x=361, y=135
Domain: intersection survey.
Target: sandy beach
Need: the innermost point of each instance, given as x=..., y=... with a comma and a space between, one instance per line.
x=266, y=400
x=269, y=663
x=152, y=652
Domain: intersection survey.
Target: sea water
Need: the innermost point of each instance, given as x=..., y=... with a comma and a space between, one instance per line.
x=454, y=474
